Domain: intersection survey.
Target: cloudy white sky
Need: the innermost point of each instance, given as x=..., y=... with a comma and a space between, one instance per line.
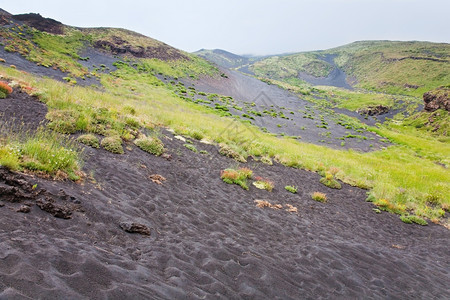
x=255, y=26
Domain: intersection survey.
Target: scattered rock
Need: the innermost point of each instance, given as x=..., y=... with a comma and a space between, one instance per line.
x=24, y=209
x=166, y=156
x=436, y=99
x=411, y=86
x=156, y=178
x=374, y=110
x=57, y=211
x=119, y=46
x=132, y=227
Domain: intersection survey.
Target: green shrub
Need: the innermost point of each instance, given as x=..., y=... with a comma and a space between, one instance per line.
x=5, y=89
x=238, y=177
x=320, y=197
x=266, y=160
x=196, y=134
x=63, y=121
x=226, y=150
x=264, y=184
x=191, y=147
x=9, y=158
x=330, y=182
x=413, y=219
x=112, y=144
x=291, y=189
x=89, y=140
x=151, y=145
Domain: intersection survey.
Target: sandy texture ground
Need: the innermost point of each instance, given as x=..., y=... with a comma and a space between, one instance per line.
x=207, y=239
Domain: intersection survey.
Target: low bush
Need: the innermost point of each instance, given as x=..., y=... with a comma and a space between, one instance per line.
x=264, y=184
x=89, y=140
x=151, y=145
x=413, y=219
x=291, y=189
x=5, y=89
x=42, y=151
x=320, y=197
x=112, y=144
x=226, y=150
x=191, y=147
x=330, y=182
x=238, y=177
x=386, y=205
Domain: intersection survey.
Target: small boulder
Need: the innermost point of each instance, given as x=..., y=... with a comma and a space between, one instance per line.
x=437, y=98
x=24, y=209
x=133, y=227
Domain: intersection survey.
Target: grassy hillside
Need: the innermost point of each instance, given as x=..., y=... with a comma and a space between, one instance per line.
x=409, y=68
x=224, y=58
x=133, y=102
x=286, y=68
x=396, y=67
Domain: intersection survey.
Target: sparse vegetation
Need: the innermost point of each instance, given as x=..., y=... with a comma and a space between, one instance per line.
x=151, y=145
x=5, y=89
x=42, y=152
x=191, y=147
x=409, y=219
x=112, y=144
x=414, y=163
x=239, y=177
x=89, y=140
x=318, y=196
x=291, y=189
x=263, y=183
x=330, y=182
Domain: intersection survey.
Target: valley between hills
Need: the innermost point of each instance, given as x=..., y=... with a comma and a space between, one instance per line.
x=130, y=169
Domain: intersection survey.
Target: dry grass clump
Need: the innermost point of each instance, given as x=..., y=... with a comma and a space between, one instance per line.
x=5, y=89
x=320, y=197
x=265, y=203
x=263, y=184
x=227, y=151
x=156, y=178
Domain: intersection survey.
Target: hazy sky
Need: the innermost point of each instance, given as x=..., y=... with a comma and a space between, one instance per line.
x=256, y=27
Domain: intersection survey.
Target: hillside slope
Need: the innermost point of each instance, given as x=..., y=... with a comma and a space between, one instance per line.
x=132, y=169
x=410, y=68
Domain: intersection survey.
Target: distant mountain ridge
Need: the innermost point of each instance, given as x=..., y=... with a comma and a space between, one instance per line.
x=411, y=67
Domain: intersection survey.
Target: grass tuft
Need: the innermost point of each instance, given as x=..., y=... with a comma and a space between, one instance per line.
x=291, y=189
x=151, y=145
x=239, y=177
x=264, y=184
x=112, y=144
x=320, y=197
x=89, y=140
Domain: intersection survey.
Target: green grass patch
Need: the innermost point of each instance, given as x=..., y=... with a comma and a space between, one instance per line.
x=89, y=140
x=40, y=151
x=151, y=145
x=239, y=176
x=112, y=144
x=291, y=189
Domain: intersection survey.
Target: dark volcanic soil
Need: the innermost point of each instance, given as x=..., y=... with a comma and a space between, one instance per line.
x=337, y=77
x=261, y=96
x=21, y=63
x=207, y=239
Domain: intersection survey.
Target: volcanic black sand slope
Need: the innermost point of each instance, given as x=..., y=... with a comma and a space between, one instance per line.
x=205, y=239
x=162, y=223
